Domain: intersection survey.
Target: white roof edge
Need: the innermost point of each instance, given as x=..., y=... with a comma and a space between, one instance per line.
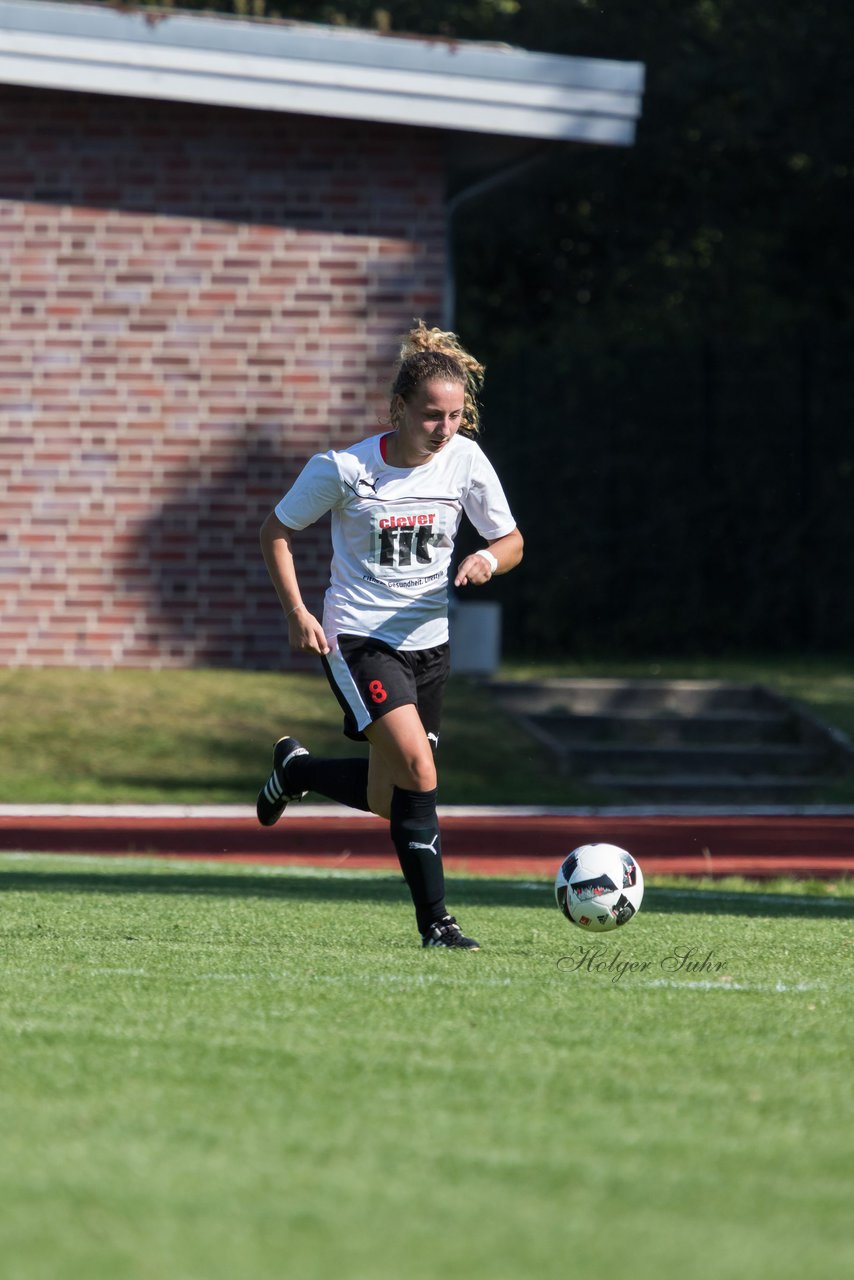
x=322, y=71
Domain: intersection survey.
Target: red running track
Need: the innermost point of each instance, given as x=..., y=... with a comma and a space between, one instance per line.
x=756, y=846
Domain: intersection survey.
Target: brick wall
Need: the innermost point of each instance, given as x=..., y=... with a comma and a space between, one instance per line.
x=194, y=300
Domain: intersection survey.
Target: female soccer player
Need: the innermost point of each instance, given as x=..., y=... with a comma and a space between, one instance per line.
x=396, y=501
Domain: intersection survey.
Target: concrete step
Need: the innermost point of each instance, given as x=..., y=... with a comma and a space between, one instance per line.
x=668, y=728
x=621, y=697
x=737, y=761
x=680, y=741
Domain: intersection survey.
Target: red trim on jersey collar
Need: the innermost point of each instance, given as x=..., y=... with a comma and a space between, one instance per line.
x=384, y=446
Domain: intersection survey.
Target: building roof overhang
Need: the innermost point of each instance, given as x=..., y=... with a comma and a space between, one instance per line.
x=459, y=87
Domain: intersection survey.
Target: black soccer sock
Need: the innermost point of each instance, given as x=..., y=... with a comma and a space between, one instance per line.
x=415, y=832
x=344, y=780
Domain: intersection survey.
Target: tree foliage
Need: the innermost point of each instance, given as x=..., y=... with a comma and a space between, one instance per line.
x=730, y=214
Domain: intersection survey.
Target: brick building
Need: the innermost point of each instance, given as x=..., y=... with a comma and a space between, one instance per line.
x=212, y=233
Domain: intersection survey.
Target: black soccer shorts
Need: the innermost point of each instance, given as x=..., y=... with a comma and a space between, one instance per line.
x=369, y=679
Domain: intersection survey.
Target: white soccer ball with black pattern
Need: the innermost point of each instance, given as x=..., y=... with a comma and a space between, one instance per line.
x=599, y=887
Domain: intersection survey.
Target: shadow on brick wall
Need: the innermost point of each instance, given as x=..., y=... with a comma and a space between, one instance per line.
x=197, y=564
x=218, y=164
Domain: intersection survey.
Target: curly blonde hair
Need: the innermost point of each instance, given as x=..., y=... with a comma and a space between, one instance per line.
x=434, y=353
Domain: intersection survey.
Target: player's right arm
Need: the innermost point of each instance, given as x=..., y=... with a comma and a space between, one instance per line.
x=304, y=631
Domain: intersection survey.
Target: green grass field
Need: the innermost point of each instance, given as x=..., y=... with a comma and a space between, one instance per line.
x=211, y=1072
x=124, y=736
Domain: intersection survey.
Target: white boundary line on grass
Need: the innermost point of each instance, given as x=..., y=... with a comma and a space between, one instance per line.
x=470, y=979
x=765, y=988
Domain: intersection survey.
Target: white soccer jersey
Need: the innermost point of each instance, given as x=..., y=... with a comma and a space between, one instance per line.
x=393, y=531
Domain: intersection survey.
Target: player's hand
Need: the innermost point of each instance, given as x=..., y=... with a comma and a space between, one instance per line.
x=474, y=571
x=306, y=634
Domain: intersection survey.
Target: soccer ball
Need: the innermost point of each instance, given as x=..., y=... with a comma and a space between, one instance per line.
x=599, y=887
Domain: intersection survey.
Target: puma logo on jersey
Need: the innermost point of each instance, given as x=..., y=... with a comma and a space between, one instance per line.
x=434, y=738
x=367, y=484
x=416, y=844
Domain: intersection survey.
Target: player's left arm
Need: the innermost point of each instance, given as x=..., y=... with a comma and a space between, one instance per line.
x=478, y=568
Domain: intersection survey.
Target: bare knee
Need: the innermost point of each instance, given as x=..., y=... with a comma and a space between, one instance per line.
x=417, y=773
x=410, y=772
x=401, y=756
x=414, y=779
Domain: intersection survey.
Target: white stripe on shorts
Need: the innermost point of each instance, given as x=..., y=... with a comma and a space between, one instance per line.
x=348, y=690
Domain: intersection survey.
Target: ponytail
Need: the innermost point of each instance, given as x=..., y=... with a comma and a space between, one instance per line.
x=433, y=353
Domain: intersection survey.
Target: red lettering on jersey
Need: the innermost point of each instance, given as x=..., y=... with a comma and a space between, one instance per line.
x=406, y=522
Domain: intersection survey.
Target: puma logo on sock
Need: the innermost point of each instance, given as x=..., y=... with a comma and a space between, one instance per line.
x=416, y=844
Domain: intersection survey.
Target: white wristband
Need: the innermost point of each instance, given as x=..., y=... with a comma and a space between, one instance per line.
x=489, y=558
